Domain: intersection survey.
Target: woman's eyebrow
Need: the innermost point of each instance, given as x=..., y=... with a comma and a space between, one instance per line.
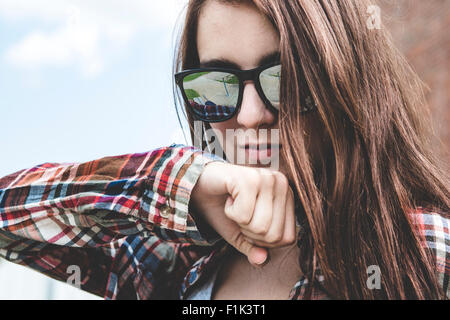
x=219, y=63
x=225, y=63
x=269, y=58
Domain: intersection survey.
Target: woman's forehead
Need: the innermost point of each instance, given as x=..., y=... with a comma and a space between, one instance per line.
x=238, y=33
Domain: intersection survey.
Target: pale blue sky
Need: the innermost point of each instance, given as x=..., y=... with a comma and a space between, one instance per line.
x=79, y=81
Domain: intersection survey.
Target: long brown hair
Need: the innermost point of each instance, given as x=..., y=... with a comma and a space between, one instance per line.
x=376, y=161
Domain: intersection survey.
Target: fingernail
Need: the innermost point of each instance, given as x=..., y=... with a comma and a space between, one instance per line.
x=264, y=262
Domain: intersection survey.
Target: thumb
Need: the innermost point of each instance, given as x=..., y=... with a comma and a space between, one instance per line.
x=255, y=255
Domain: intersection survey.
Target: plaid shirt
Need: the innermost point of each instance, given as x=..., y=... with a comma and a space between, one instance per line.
x=124, y=222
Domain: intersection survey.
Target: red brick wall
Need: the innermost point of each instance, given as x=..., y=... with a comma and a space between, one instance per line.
x=421, y=29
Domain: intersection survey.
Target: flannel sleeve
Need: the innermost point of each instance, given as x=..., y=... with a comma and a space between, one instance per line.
x=53, y=216
x=434, y=231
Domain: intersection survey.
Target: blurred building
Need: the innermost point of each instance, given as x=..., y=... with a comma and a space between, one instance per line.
x=421, y=29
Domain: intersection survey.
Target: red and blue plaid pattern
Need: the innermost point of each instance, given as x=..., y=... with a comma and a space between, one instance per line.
x=211, y=111
x=124, y=222
x=434, y=232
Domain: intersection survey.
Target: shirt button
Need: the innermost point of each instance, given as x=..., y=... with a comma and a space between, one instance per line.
x=164, y=212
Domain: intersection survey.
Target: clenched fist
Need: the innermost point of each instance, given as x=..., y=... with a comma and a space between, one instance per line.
x=251, y=208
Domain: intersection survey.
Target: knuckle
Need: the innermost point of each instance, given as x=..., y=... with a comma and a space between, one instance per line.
x=230, y=214
x=273, y=237
x=254, y=177
x=279, y=175
x=282, y=179
x=243, y=219
x=240, y=218
x=260, y=229
x=282, y=182
x=269, y=180
x=290, y=239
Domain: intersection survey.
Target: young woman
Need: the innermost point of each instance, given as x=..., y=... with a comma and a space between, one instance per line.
x=357, y=207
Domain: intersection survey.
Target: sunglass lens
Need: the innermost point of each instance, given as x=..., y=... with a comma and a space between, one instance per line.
x=270, y=84
x=212, y=95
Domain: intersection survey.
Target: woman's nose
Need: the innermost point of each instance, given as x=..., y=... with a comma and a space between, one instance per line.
x=253, y=112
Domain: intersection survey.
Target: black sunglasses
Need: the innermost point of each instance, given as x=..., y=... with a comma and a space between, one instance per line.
x=215, y=94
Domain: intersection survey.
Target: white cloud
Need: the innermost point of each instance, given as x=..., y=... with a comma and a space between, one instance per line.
x=83, y=30
x=69, y=44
